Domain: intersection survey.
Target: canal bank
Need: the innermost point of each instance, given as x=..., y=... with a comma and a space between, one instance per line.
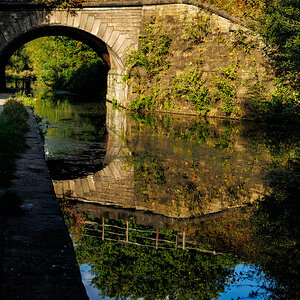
x=37, y=257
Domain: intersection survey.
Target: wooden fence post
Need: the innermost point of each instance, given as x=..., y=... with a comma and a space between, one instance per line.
x=183, y=240
x=27, y=86
x=157, y=233
x=127, y=231
x=102, y=228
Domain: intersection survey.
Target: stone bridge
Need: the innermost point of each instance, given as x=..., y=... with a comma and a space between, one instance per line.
x=110, y=27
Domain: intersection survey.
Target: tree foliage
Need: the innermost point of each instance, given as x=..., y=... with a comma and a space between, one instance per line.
x=278, y=21
x=56, y=61
x=123, y=271
x=67, y=4
x=19, y=61
x=61, y=63
x=280, y=26
x=136, y=272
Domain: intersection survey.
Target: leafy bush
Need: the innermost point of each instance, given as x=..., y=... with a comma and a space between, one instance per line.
x=225, y=89
x=279, y=25
x=15, y=114
x=190, y=87
x=12, y=138
x=282, y=105
x=153, y=49
x=143, y=102
x=27, y=100
x=67, y=4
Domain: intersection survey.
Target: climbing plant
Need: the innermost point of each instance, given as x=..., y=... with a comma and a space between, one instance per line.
x=146, y=63
x=225, y=90
x=154, y=46
x=197, y=28
x=66, y=4
x=190, y=86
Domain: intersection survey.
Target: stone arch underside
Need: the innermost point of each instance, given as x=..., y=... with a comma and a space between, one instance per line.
x=110, y=32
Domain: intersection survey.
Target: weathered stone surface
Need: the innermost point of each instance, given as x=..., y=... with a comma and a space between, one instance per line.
x=115, y=25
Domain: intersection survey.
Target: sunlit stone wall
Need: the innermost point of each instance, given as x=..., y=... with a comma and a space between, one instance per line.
x=114, y=27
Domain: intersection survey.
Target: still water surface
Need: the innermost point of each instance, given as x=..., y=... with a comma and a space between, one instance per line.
x=175, y=207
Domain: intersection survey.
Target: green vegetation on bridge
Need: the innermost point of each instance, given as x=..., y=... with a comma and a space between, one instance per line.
x=278, y=22
x=152, y=66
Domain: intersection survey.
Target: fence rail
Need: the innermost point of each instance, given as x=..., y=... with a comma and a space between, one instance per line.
x=169, y=241
x=21, y=83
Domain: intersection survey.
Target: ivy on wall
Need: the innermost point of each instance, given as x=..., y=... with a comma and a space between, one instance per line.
x=66, y=4
x=157, y=84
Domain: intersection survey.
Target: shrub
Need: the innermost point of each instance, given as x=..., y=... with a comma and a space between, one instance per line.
x=13, y=125
x=16, y=114
x=190, y=87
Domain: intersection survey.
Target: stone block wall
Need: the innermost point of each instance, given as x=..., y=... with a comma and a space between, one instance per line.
x=220, y=49
x=114, y=26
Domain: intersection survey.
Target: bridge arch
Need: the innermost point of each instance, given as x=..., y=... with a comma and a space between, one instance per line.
x=96, y=30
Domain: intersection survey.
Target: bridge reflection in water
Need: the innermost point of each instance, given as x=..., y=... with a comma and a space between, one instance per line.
x=177, y=168
x=169, y=183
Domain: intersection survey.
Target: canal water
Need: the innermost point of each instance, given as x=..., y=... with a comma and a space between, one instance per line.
x=174, y=206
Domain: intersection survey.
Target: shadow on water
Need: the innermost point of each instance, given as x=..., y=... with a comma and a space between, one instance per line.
x=176, y=207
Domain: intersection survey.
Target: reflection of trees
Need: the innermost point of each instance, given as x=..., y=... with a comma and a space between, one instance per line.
x=196, y=165
x=76, y=131
x=276, y=217
x=122, y=271
x=266, y=234
x=277, y=233
x=149, y=172
x=85, y=121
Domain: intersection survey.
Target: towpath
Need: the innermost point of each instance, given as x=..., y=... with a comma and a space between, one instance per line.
x=3, y=98
x=37, y=259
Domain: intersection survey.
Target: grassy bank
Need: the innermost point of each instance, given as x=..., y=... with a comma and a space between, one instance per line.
x=13, y=126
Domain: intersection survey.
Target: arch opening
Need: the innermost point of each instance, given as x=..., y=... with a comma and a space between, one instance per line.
x=91, y=125
x=108, y=56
